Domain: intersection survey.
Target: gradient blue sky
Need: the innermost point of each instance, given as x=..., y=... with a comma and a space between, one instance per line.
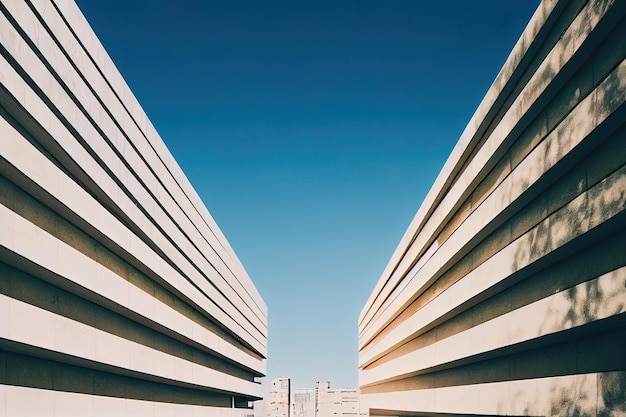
x=312, y=130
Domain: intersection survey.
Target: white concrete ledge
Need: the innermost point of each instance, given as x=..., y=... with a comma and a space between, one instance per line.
x=531, y=397
x=550, y=315
x=99, y=70
x=33, y=402
x=568, y=135
x=79, y=201
x=101, y=169
x=452, y=165
x=23, y=55
x=538, y=176
x=20, y=153
x=96, y=54
x=559, y=56
x=68, y=263
x=59, y=334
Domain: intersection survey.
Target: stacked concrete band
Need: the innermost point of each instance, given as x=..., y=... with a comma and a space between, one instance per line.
x=119, y=295
x=507, y=293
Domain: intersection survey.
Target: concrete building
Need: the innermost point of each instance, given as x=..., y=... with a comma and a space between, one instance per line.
x=507, y=293
x=321, y=401
x=119, y=295
x=303, y=402
x=331, y=402
x=280, y=398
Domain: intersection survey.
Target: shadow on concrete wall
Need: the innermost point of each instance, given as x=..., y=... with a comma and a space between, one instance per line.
x=612, y=390
x=601, y=394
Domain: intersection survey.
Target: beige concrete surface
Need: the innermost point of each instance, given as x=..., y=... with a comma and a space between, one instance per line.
x=480, y=164
x=119, y=294
x=505, y=296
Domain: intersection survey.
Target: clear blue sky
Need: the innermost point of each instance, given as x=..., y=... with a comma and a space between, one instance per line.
x=312, y=130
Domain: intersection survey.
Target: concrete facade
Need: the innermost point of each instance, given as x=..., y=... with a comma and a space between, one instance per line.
x=507, y=293
x=324, y=401
x=330, y=402
x=119, y=295
x=280, y=398
x=303, y=402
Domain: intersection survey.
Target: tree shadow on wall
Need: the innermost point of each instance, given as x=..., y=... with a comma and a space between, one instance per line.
x=596, y=296
x=612, y=390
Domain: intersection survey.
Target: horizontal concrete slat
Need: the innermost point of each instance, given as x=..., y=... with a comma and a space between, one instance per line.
x=558, y=57
x=565, y=138
x=16, y=147
x=554, y=62
x=25, y=401
x=18, y=88
x=82, y=270
x=90, y=72
x=547, y=316
x=110, y=160
x=92, y=46
x=533, y=397
x=443, y=180
x=57, y=333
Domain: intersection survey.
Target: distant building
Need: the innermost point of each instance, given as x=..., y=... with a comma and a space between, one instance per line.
x=303, y=402
x=336, y=402
x=321, y=401
x=279, y=399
